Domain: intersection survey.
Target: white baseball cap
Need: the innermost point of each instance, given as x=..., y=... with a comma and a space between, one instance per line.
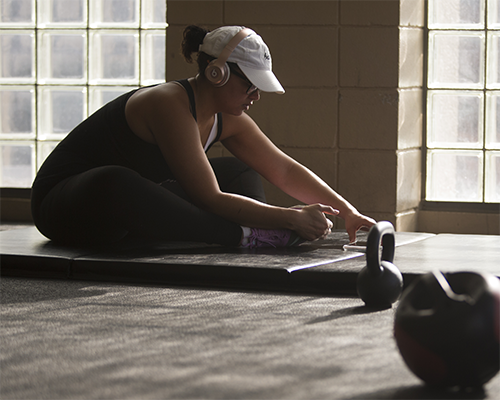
x=252, y=56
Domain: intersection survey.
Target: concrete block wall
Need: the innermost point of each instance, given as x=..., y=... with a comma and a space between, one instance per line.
x=353, y=76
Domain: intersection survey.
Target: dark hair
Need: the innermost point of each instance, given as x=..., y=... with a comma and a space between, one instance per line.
x=192, y=38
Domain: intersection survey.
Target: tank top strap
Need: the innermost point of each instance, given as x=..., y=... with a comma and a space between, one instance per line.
x=190, y=93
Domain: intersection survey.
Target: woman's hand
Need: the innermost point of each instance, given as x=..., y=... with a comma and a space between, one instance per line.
x=314, y=225
x=355, y=222
x=311, y=223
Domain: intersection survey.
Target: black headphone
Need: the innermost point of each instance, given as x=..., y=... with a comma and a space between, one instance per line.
x=217, y=72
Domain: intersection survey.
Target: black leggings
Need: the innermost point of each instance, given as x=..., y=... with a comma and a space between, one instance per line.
x=105, y=204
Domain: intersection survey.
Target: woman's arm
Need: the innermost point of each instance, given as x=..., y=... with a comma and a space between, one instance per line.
x=159, y=115
x=255, y=149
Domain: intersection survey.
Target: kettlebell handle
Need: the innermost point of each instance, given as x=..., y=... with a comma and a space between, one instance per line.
x=380, y=282
x=382, y=233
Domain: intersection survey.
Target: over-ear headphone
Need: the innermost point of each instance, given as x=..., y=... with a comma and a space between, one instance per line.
x=217, y=72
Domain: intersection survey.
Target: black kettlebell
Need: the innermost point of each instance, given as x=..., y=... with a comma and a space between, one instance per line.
x=447, y=328
x=380, y=283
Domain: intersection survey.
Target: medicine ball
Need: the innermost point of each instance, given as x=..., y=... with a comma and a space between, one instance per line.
x=447, y=328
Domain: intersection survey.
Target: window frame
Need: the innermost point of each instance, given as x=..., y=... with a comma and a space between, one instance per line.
x=446, y=206
x=15, y=193
x=148, y=24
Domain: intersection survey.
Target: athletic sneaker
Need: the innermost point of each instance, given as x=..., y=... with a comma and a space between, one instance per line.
x=273, y=238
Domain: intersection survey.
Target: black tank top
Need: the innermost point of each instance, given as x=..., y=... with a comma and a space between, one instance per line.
x=105, y=138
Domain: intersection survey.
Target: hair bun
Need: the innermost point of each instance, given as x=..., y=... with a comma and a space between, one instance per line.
x=192, y=38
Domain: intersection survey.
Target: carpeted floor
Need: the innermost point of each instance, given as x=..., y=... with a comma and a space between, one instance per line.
x=87, y=340
x=81, y=339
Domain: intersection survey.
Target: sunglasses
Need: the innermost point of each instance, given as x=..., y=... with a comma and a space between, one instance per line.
x=252, y=88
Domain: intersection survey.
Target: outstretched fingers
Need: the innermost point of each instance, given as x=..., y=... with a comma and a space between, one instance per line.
x=359, y=223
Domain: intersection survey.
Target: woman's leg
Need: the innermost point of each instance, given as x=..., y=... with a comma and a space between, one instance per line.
x=236, y=177
x=106, y=203
x=233, y=176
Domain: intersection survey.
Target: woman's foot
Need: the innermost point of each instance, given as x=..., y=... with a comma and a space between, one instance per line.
x=271, y=238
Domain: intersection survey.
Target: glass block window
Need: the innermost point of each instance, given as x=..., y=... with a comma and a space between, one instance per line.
x=61, y=60
x=463, y=101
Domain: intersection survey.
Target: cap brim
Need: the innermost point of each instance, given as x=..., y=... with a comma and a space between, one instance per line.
x=264, y=80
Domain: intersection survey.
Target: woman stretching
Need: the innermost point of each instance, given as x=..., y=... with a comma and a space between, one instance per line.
x=138, y=166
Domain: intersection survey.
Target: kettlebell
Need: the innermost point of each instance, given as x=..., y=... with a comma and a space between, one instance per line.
x=380, y=283
x=447, y=328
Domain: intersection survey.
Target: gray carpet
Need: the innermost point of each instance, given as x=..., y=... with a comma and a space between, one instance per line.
x=90, y=335
x=88, y=340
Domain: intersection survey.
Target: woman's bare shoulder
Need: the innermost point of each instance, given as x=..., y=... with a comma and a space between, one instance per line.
x=236, y=124
x=156, y=106
x=169, y=91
